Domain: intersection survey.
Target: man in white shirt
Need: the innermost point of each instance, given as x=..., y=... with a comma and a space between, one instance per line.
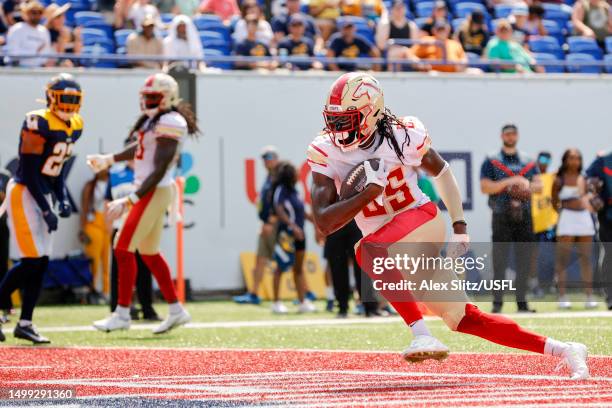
x=29, y=38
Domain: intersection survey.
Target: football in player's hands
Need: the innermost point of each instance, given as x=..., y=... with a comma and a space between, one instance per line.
x=356, y=179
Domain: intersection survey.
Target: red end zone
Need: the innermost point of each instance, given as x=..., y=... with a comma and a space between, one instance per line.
x=119, y=377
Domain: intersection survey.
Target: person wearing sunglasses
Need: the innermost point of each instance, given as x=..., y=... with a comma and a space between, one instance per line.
x=29, y=37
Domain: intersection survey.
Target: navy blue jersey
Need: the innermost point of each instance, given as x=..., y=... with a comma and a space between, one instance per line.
x=304, y=47
x=289, y=199
x=360, y=46
x=280, y=24
x=45, y=143
x=500, y=166
x=602, y=169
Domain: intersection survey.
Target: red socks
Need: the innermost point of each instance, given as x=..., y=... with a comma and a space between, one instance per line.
x=500, y=330
x=160, y=269
x=126, y=276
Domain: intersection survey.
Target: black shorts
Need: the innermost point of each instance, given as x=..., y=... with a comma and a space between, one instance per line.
x=300, y=245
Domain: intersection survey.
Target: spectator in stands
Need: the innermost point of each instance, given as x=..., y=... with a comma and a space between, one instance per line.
x=94, y=233
x=524, y=25
x=29, y=37
x=5, y=304
x=503, y=47
x=298, y=44
x=439, y=13
x=3, y=29
x=264, y=31
x=183, y=41
x=535, y=20
x=601, y=183
x=348, y=44
x=12, y=11
x=473, y=33
x=186, y=7
x=280, y=24
x=141, y=10
x=165, y=6
x=251, y=46
x=395, y=26
x=570, y=196
x=592, y=18
x=144, y=42
x=369, y=9
x=544, y=219
x=224, y=9
x=64, y=40
x=507, y=177
x=325, y=13
x=439, y=47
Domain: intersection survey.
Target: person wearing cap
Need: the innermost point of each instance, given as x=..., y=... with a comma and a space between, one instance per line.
x=509, y=178
x=63, y=39
x=348, y=44
x=439, y=12
x=395, y=26
x=325, y=13
x=252, y=47
x=504, y=48
x=183, y=41
x=143, y=10
x=439, y=47
x=29, y=37
x=297, y=44
x=473, y=33
x=267, y=235
x=144, y=42
x=544, y=218
x=524, y=24
x=281, y=24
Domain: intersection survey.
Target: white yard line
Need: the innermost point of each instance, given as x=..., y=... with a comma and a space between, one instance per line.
x=327, y=322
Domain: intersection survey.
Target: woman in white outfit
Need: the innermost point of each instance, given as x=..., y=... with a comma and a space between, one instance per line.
x=575, y=227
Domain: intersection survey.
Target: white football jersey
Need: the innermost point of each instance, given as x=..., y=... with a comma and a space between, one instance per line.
x=401, y=192
x=170, y=125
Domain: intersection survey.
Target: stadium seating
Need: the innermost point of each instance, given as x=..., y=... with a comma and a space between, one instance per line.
x=608, y=63
x=462, y=10
x=456, y=23
x=582, y=69
x=91, y=36
x=211, y=52
x=543, y=58
x=107, y=28
x=97, y=49
x=359, y=22
x=420, y=21
x=216, y=41
x=560, y=13
x=424, y=9
x=609, y=45
x=206, y=20
x=82, y=18
x=584, y=45
x=554, y=30
x=166, y=18
x=367, y=33
x=121, y=37
x=503, y=10
x=546, y=44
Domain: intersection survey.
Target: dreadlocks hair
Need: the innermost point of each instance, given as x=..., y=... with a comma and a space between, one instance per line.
x=285, y=174
x=183, y=108
x=385, y=129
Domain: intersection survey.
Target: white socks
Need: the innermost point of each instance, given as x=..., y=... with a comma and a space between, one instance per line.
x=123, y=312
x=25, y=323
x=329, y=293
x=419, y=328
x=175, y=308
x=554, y=347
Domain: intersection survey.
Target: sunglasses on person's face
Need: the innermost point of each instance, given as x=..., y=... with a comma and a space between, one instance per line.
x=35, y=12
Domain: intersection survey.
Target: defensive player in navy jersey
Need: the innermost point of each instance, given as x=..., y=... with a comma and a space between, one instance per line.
x=38, y=191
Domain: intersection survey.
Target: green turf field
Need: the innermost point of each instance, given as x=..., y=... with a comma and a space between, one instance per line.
x=595, y=332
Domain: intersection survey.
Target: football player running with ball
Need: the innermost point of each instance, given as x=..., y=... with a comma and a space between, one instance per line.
x=160, y=131
x=391, y=210
x=46, y=141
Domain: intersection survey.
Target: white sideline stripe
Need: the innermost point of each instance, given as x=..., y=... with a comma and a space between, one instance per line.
x=327, y=322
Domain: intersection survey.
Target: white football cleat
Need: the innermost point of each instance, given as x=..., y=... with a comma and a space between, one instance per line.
x=306, y=307
x=575, y=358
x=425, y=348
x=279, y=308
x=172, y=321
x=112, y=323
x=564, y=303
x=591, y=303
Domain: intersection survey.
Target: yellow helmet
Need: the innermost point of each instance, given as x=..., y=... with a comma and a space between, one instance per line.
x=64, y=96
x=354, y=106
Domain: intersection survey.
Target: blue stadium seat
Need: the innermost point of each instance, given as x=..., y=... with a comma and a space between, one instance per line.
x=211, y=52
x=582, y=69
x=503, y=10
x=424, y=9
x=472, y=57
x=81, y=18
x=554, y=30
x=97, y=50
x=609, y=45
x=359, y=22
x=456, y=23
x=166, y=18
x=211, y=39
x=121, y=37
x=463, y=10
x=608, y=63
x=584, y=45
x=420, y=21
x=203, y=20
x=546, y=44
x=543, y=58
x=221, y=29
x=560, y=13
x=107, y=28
x=367, y=33
x=92, y=35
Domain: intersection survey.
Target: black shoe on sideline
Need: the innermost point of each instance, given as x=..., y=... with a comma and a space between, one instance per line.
x=30, y=333
x=2, y=337
x=134, y=313
x=151, y=317
x=497, y=308
x=342, y=315
x=523, y=307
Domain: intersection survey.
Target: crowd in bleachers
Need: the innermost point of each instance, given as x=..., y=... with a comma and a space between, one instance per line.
x=423, y=35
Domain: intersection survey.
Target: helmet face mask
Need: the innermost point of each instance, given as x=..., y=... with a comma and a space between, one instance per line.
x=64, y=96
x=159, y=93
x=150, y=102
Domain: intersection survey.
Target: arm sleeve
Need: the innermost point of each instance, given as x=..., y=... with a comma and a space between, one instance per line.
x=419, y=140
x=596, y=168
x=32, y=178
x=59, y=186
x=318, y=158
x=486, y=170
